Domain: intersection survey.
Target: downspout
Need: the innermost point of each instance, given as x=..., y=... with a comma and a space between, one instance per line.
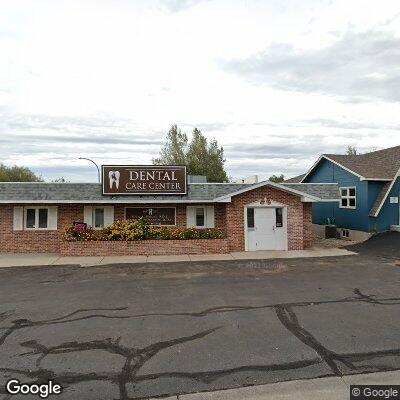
x=333, y=180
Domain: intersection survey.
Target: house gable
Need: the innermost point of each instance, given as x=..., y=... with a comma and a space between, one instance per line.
x=327, y=171
x=323, y=160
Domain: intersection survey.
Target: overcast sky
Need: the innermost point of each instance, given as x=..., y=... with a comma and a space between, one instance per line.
x=275, y=82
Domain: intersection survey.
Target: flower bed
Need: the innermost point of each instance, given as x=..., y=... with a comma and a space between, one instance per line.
x=134, y=230
x=133, y=238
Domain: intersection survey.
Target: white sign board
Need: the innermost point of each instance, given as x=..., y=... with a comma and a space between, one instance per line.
x=394, y=200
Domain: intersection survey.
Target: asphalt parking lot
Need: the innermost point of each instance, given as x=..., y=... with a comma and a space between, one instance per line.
x=137, y=331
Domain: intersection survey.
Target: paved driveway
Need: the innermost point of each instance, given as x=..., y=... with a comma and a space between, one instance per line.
x=129, y=332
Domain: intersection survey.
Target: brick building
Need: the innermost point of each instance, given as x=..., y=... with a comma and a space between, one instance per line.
x=261, y=216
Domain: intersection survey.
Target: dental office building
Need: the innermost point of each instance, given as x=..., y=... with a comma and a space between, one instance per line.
x=257, y=216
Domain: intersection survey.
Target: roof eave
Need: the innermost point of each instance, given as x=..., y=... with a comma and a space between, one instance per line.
x=228, y=197
x=377, y=179
x=378, y=210
x=105, y=201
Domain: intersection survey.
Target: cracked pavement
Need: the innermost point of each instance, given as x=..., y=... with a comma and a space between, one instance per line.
x=139, y=331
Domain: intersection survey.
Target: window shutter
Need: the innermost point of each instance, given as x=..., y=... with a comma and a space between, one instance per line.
x=210, y=217
x=18, y=218
x=52, y=218
x=190, y=217
x=108, y=215
x=88, y=215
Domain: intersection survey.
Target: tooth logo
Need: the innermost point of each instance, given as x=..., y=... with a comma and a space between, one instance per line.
x=113, y=177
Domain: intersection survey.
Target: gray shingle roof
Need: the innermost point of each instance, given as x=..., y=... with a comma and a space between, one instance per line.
x=381, y=164
x=85, y=192
x=295, y=179
x=324, y=191
x=91, y=192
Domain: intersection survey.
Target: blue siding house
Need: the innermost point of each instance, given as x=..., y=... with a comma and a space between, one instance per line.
x=369, y=189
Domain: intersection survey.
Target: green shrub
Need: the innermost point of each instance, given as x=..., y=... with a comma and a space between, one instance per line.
x=134, y=230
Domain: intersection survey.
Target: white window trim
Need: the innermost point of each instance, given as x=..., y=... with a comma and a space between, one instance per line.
x=348, y=197
x=98, y=228
x=36, y=228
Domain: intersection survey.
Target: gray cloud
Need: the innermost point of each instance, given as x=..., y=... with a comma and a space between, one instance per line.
x=299, y=149
x=204, y=126
x=179, y=5
x=358, y=67
x=332, y=123
x=136, y=140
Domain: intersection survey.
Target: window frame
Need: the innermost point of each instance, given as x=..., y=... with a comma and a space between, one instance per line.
x=348, y=197
x=94, y=218
x=250, y=210
x=36, y=227
x=280, y=215
x=204, y=226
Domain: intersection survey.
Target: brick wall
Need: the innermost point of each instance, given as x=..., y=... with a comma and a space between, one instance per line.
x=307, y=225
x=49, y=241
x=144, y=248
x=35, y=241
x=298, y=217
x=229, y=217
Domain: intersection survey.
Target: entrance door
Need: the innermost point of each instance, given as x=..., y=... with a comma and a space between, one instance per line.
x=266, y=229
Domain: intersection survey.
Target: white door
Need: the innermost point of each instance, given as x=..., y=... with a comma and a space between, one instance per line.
x=266, y=228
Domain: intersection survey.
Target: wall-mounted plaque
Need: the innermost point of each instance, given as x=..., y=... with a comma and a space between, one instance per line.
x=153, y=215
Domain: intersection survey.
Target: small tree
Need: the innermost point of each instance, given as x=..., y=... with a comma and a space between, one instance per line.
x=351, y=151
x=17, y=174
x=277, y=178
x=200, y=156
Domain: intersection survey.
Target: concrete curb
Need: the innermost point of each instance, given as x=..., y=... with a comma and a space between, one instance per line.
x=25, y=260
x=331, y=388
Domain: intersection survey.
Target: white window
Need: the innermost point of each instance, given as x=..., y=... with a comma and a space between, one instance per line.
x=200, y=217
x=346, y=233
x=36, y=218
x=348, y=197
x=98, y=217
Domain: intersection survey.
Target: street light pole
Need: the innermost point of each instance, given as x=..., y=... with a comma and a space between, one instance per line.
x=98, y=169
